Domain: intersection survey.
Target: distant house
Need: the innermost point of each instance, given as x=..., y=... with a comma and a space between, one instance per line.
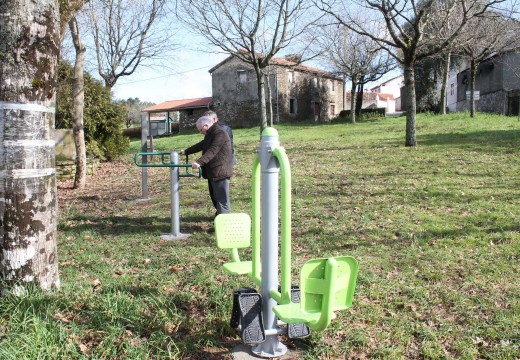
x=161, y=116
x=375, y=100
x=497, y=81
x=297, y=92
x=393, y=87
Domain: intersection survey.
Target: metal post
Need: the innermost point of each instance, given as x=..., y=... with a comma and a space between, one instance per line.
x=270, y=169
x=144, y=140
x=174, y=180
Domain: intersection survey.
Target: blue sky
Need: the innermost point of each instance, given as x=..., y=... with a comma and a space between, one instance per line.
x=189, y=79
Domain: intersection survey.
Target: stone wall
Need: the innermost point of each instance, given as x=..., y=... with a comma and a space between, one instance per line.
x=235, y=94
x=66, y=169
x=65, y=147
x=495, y=102
x=188, y=117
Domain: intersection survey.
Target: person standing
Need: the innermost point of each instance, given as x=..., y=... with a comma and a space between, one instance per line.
x=223, y=125
x=215, y=162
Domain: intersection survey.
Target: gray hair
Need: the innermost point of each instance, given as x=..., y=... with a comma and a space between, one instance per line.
x=211, y=114
x=204, y=120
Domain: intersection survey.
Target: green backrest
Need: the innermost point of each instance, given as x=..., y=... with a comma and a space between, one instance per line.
x=314, y=283
x=233, y=231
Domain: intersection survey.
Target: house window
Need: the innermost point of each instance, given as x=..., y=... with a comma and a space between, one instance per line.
x=242, y=76
x=452, y=89
x=292, y=106
x=332, y=85
x=315, y=82
x=332, y=110
x=290, y=75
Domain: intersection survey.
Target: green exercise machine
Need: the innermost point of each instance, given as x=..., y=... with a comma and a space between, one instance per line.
x=326, y=285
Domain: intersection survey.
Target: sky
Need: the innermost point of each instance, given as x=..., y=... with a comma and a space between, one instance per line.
x=189, y=79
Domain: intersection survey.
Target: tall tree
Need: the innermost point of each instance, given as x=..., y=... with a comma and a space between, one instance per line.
x=486, y=36
x=78, y=104
x=126, y=35
x=354, y=58
x=253, y=31
x=68, y=10
x=29, y=48
x=407, y=33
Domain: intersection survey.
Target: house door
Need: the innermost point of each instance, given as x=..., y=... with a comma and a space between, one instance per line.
x=316, y=109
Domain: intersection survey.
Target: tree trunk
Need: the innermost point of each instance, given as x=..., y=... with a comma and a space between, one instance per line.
x=261, y=99
x=444, y=87
x=359, y=102
x=80, y=179
x=269, y=99
x=473, y=75
x=345, y=94
x=411, y=106
x=30, y=41
x=353, y=99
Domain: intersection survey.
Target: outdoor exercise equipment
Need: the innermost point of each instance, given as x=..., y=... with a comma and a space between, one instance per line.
x=170, y=160
x=326, y=285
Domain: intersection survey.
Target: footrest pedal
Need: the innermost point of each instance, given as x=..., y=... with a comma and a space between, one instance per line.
x=250, y=305
x=297, y=331
x=235, y=312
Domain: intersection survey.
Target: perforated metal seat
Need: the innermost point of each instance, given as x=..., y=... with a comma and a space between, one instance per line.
x=233, y=232
x=326, y=285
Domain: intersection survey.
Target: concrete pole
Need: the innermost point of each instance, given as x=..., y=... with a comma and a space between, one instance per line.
x=270, y=169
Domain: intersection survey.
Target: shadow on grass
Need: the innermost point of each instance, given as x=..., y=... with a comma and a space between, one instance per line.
x=124, y=225
x=479, y=139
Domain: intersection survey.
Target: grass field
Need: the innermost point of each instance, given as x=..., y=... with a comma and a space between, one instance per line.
x=436, y=231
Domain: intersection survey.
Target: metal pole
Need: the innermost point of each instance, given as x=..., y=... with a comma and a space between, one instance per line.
x=270, y=169
x=175, y=204
x=174, y=158
x=144, y=140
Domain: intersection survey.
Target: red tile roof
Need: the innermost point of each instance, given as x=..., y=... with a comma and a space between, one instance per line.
x=180, y=104
x=287, y=63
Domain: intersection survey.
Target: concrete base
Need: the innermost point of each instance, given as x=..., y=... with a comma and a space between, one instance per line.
x=243, y=352
x=173, y=237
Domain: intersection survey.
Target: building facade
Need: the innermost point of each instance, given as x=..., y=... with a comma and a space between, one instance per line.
x=295, y=92
x=497, y=81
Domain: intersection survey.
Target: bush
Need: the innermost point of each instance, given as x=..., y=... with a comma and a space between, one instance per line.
x=103, y=120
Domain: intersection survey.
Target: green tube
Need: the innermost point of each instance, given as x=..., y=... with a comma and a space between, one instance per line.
x=327, y=306
x=285, y=206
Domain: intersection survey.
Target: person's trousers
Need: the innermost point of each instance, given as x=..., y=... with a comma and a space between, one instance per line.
x=219, y=193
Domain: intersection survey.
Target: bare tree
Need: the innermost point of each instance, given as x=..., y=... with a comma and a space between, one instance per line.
x=29, y=48
x=126, y=35
x=405, y=34
x=253, y=31
x=485, y=37
x=78, y=103
x=354, y=58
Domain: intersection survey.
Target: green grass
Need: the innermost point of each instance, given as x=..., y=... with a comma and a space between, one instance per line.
x=436, y=231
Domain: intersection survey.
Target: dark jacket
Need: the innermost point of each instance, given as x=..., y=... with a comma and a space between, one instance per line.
x=230, y=134
x=216, y=154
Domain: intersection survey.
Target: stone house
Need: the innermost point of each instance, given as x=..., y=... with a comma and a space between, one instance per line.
x=498, y=83
x=297, y=92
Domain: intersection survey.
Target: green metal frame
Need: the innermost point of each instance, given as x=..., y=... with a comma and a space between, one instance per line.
x=165, y=158
x=326, y=285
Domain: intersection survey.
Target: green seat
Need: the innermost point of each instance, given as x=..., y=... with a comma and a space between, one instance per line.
x=326, y=285
x=233, y=232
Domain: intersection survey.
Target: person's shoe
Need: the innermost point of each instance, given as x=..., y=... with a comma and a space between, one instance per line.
x=210, y=230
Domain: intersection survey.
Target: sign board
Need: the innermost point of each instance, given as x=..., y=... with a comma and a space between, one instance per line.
x=476, y=95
